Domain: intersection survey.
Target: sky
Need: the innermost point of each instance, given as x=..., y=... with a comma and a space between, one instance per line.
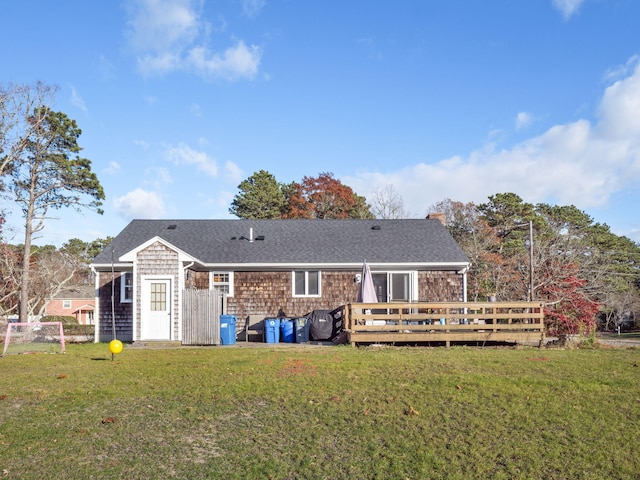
x=180, y=100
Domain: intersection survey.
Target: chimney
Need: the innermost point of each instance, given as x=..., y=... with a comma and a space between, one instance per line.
x=437, y=216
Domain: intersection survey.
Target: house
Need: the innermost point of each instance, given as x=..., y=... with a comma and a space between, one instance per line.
x=76, y=301
x=267, y=268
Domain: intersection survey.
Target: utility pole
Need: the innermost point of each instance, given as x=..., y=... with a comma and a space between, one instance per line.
x=530, y=261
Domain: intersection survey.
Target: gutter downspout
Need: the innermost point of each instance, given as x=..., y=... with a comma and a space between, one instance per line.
x=463, y=272
x=188, y=266
x=464, y=286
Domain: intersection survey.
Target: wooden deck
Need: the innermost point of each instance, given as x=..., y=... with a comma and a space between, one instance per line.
x=443, y=323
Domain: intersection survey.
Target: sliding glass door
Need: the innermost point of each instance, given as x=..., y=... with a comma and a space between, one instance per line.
x=393, y=286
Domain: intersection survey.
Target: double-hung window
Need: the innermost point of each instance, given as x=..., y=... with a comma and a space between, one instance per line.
x=126, y=287
x=306, y=283
x=223, y=281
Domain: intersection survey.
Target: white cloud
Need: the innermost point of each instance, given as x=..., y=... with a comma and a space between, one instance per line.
x=170, y=35
x=580, y=163
x=162, y=25
x=620, y=107
x=150, y=99
x=77, y=100
x=185, y=155
x=157, y=177
x=235, y=62
x=160, y=63
x=112, y=168
x=251, y=8
x=220, y=26
x=568, y=7
x=620, y=71
x=139, y=203
x=142, y=144
x=523, y=120
x=106, y=69
x=232, y=173
x=195, y=110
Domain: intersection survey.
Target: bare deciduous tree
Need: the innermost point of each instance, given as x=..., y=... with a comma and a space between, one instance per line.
x=386, y=203
x=53, y=272
x=17, y=102
x=10, y=267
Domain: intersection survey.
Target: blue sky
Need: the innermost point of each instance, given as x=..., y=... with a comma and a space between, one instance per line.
x=181, y=100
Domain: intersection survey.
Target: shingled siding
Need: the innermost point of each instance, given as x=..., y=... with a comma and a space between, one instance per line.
x=440, y=286
x=159, y=260
x=197, y=280
x=270, y=294
x=123, y=311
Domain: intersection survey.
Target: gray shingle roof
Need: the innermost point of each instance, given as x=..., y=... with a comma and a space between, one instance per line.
x=214, y=242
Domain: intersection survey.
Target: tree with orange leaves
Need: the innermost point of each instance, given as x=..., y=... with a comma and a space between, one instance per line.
x=325, y=197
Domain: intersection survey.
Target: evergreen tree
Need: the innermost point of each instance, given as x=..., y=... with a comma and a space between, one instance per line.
x=260, y=197
x=46, y=175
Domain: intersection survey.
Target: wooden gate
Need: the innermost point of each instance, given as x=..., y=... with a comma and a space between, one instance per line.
x=201, y=310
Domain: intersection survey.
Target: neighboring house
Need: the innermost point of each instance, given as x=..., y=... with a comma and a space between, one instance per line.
x=267, y=268
x=77, y=301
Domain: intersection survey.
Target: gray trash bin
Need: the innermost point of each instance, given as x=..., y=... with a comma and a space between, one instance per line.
x=302, y=329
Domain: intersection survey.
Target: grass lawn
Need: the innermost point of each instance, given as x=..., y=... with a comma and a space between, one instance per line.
x=321, y=412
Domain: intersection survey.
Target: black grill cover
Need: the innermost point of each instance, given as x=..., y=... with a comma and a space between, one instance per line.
x=325, y=324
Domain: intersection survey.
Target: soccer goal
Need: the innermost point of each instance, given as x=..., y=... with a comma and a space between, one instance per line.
x=34, y=337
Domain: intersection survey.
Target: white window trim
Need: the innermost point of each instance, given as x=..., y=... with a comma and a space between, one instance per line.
x=306, y=284
x=66, y=304
x=122, y=287
x=226, y=272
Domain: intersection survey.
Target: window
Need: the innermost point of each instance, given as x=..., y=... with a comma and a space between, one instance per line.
x=223, y=281
x=66, y=304
x=394, y=286
x=158, y=297
x=126, y=287
x=306, y=283
x=400, y=290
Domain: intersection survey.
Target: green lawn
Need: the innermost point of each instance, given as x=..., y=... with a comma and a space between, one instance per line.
x=321, y=412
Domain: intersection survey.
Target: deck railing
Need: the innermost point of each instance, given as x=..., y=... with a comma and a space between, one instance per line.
x=419, y=322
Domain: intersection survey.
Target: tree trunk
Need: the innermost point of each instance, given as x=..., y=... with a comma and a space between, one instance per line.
x=26, y=259
x=26, y=264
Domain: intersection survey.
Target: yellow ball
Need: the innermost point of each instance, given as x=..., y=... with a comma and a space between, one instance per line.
x=115, y=346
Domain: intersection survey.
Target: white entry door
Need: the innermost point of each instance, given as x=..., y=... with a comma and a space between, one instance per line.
x=156, y=309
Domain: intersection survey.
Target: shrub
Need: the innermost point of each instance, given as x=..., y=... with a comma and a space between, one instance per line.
x=65, y=319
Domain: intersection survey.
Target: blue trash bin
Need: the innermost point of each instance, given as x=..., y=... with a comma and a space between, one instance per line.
x=227, y=329
x=287, y=331
x=272, y=330
x=302, y=329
